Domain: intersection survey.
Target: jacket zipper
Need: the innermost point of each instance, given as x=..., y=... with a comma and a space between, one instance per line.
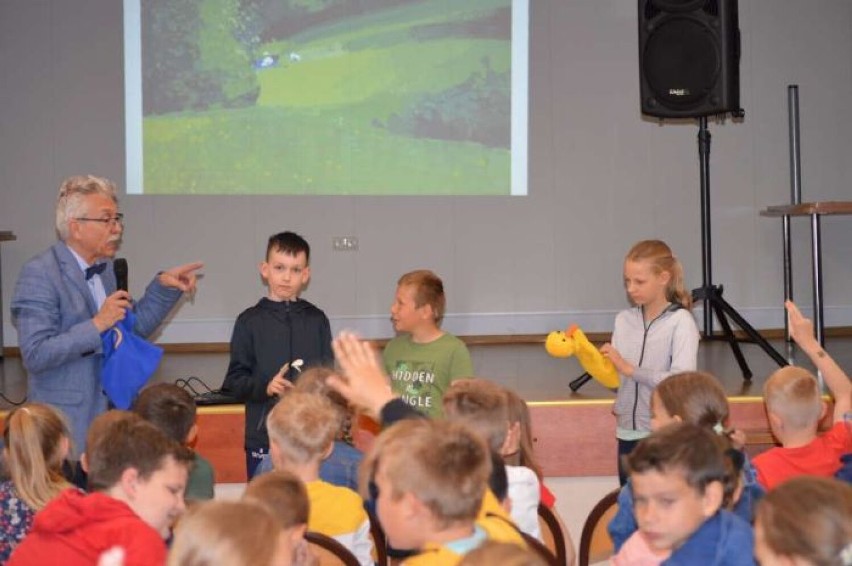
x=642, y=357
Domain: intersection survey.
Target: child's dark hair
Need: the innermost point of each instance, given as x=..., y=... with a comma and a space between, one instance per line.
x=169, y=408
x=288, y=243
x=684, y=447
x=128, y=441
x=482, y=405
x=696, y=397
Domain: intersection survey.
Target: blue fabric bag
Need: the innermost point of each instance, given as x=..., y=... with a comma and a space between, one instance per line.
x=129, y=361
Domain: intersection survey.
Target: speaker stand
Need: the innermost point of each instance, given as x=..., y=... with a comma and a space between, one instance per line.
x=711, y=294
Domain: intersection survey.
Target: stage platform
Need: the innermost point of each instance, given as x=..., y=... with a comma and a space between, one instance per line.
x=575, y=432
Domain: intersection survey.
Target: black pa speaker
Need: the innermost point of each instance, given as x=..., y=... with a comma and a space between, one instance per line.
x=689, y=58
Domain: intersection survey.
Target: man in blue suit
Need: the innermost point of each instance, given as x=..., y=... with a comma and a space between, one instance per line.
x=66, y=297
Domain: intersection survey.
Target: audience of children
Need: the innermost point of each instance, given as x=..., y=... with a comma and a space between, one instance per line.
x=137, y=477
x=652, y=340
x=36, y=440
x=285, y=496
x=422, y=360
x=236, y=533
x=302, y=428
x=794, y=407
x=680, y=478
x=172, y=410
x=805, y=521
x=271, y=337
x=696, y=398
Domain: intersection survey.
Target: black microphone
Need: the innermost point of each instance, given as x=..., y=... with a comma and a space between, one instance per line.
x=119, y=267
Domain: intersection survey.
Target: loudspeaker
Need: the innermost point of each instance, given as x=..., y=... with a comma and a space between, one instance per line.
x=689, y=58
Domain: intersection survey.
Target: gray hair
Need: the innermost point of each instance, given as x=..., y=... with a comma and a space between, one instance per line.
x=72, y=191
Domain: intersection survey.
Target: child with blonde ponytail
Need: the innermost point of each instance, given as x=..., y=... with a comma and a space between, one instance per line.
x=654, y=339
x=37, y=440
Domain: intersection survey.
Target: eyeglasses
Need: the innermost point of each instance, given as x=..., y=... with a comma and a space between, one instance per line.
x=112, y=222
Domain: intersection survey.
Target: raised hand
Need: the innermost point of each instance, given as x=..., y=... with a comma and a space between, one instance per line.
x=362, y=379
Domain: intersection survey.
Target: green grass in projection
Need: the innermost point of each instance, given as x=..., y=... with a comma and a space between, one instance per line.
x=405, y=100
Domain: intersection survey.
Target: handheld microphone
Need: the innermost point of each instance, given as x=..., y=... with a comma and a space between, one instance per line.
x=119, y=267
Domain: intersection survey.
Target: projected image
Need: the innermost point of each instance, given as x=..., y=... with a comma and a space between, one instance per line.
x=382, y=97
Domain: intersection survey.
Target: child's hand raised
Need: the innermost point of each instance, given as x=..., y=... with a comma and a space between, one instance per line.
x=801, y=328
x=363, y=381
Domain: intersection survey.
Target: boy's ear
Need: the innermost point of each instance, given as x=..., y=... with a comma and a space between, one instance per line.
x=327, y=452
x=711, y=501
x=275, y=456
x=129, y=482
x=823, y=410
x=512, y=443
x=296, y=533
x=264, y=270
x=191, y=436
x=776, y=423
x=84, y=462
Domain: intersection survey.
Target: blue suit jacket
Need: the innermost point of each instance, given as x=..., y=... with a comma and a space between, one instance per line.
x=52, y=309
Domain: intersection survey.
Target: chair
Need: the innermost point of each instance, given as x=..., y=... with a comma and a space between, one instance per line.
x=595, y=543
x=380, y=543
x=551, y=533
x=542, y=551
x=328, y=551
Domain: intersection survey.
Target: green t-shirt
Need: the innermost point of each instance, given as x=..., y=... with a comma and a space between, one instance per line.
x=421, y=373
x=199, y=485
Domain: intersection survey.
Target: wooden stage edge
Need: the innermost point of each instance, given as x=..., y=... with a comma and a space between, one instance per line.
x=572, y=438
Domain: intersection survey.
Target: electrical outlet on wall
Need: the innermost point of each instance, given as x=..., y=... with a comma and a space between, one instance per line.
x=344, y=243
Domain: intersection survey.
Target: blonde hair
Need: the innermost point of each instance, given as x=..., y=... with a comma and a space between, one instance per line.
x=283, y=494
x=503, y=553
x=236, y=533
x=696, y=397
x=482, y=405
x=314, y=380
x=659, y=255
x=793, y=394
x=36, y=438
x=428, y=290
x=519, y=413
x=443, y=464
x=808, y=517
x=72, y=194
x=303, y=426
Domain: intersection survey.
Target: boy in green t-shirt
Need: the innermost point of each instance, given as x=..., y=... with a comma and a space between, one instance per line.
x=423, y=359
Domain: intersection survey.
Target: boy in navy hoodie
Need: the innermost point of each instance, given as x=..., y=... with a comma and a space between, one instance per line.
x=274, y=338
x=679, y=477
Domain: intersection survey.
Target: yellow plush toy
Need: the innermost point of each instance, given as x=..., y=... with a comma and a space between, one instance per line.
x=573, y=341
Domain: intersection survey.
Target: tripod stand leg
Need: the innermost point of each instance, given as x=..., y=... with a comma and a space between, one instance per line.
x=729, y=336
x=751, y=332
x=579, y=382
